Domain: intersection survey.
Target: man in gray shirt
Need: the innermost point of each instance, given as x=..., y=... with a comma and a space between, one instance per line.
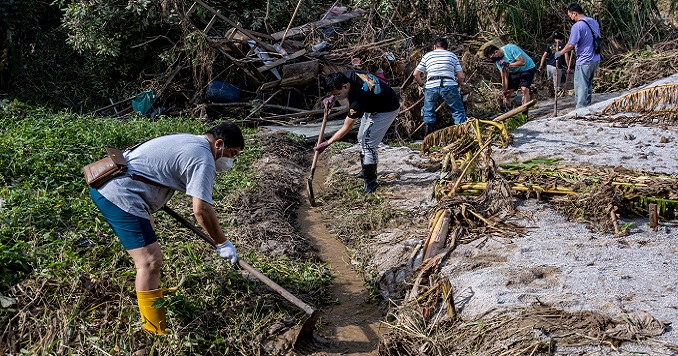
x=156, y=168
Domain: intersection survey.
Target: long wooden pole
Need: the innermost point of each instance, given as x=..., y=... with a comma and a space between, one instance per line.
x=555, y=90
x=517, y=110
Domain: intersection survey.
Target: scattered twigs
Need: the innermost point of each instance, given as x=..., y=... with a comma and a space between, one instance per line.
x=255, y=110
x=613, y=218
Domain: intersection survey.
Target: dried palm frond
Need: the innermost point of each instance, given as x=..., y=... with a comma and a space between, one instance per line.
x=659, y=97
x=448, y=135
x=657, y=118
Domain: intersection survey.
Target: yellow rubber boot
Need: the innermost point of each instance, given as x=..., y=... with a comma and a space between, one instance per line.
x=153, y=318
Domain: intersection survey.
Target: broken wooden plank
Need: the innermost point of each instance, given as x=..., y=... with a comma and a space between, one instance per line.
x=300, y=73
x=281, y=61
x=295, y=74
x=318, y=24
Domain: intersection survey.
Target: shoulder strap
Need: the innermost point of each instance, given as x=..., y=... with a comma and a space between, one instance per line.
x=587, y=24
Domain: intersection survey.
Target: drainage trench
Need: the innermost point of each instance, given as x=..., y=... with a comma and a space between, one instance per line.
x=352, y=325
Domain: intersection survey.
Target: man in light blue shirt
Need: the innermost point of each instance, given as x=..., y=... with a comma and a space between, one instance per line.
x=582, y=36
x=516, y=67
x=443, y=77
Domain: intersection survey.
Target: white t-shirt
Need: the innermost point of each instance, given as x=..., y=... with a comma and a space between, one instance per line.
x=440, y=63
x=182, y=162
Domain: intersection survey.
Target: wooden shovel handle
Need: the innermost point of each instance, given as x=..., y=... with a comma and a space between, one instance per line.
x=320, y=138
x=260, y=276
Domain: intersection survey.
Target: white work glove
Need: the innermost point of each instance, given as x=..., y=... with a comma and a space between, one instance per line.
x=227, y=251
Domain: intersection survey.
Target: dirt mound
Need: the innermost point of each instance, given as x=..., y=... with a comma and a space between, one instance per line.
x=265, y=213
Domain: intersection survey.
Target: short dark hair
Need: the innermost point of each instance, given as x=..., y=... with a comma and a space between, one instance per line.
x=489, y=50
x=558, y=36
x=334, y=81
x=441, y=42
x=575, y=8
x=229, y=132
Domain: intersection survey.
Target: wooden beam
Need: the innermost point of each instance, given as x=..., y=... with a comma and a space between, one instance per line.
x=305, y=113
x=315, y=25
x=281, y=61
x=515, y=111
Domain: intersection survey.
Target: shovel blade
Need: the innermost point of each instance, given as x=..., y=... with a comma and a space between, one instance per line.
x=305, y=333
x=309, y=190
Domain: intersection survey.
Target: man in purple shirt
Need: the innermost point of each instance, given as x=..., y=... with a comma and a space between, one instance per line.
x=584, y=31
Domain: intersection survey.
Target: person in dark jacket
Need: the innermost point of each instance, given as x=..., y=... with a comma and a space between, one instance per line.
x=372, y=101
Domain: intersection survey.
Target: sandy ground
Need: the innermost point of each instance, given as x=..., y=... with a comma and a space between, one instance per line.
x=557, y=262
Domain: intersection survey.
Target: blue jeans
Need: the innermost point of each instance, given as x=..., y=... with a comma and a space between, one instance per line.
x=452, y=98
x=583, y=80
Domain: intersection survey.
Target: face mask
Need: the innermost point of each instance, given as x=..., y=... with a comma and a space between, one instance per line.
x=223, y=164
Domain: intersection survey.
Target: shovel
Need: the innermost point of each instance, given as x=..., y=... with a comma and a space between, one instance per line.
x=306, y=330
x=309, y=181
x=555, y=90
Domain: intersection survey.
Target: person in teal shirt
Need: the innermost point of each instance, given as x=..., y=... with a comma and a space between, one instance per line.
x=516, y=67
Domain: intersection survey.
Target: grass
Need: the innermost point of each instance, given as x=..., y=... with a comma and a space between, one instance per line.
x=68, y=274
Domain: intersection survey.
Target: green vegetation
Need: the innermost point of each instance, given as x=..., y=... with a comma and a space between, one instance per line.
x=58, y=254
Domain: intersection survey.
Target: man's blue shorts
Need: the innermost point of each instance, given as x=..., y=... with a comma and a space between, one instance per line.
x=133, y=231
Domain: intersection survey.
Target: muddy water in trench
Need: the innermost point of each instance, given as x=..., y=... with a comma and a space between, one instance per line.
x=352, y=326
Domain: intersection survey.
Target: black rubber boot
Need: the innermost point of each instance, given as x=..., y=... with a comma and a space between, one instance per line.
x=371, y=184
x=361, y=174
x=428, y=128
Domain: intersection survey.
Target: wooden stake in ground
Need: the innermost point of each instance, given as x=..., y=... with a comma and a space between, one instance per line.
x=654, y=217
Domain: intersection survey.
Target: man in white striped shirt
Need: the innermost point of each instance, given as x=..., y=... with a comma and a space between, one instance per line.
x=443, y=78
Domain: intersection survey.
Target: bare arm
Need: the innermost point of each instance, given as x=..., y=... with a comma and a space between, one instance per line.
x=543, y=59
x=348, y=125
x=207, y=218
x=568, y=47
x=504, y=78
x=417, y=77
x=519, y=62
x=461, y=77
